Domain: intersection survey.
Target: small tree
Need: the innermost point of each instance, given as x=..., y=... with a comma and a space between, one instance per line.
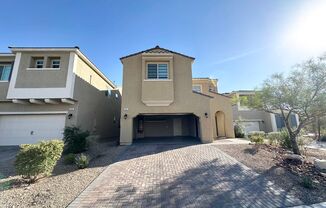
x=301, y=92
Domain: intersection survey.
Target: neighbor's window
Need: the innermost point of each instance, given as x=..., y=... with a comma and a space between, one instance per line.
x=5, y=70
x=55, y=63
x=39, y=63
x=196, y=88
x=157, y=71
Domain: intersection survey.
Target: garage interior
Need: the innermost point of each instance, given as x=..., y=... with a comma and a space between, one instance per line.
x=166, y=127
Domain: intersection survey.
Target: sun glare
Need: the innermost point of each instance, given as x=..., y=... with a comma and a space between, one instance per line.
x=307, y=32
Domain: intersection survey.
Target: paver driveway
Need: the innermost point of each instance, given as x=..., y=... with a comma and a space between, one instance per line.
x=181, y=176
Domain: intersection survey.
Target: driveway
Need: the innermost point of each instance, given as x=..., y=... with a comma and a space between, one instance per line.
x=152, y=175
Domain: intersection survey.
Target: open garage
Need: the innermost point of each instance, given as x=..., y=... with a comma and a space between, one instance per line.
x=151, y=126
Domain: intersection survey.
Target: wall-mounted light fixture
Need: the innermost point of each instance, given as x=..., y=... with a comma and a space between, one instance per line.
x=206, y=115
x=125, y=116
x=69, y=115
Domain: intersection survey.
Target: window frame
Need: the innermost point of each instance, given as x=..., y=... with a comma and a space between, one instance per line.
x=157, y=74
x=10, y=71
x=52, y=64
x=36, y=64
x=197, y=85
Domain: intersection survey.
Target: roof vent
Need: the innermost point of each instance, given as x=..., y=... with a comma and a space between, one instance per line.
x=157, y=46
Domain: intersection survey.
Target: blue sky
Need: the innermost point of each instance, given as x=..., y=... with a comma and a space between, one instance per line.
x=240, y=42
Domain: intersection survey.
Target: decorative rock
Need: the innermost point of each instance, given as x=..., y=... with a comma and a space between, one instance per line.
x=279, y=171
x=320, y=164
x=294, y=159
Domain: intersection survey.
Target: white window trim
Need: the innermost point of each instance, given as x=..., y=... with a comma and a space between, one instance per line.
x=198, y=85
x=157, y=79
x=52, y=60
x=9, y=74
x=36, y=60
x=42, y=69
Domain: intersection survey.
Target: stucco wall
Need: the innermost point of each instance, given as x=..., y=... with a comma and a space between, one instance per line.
x=222, y=104
x=3, y=90
x=206, y=85
x=97, y=111
x=85, y=72
x=42, y=78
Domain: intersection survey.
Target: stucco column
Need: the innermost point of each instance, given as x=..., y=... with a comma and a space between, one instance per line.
x=273, y=122
x=206, y=133
x=126, y=128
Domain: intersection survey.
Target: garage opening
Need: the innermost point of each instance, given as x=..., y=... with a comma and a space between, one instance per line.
x=171, y=127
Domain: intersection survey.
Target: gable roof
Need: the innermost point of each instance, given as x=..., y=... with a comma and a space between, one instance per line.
x=157, y=49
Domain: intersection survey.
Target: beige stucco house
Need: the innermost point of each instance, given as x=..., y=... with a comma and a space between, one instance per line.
x=256, y=120
x=42, y=90
x=159, y=101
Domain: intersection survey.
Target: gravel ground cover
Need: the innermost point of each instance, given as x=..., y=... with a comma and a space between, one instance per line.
x=267, y=161
x=58, y=190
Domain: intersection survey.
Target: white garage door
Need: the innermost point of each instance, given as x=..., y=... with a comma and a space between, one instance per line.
x=251, y=126
x=28, y=129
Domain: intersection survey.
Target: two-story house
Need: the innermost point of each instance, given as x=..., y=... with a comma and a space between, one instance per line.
x=159, y=101
x=257, y=120
x=42, y=90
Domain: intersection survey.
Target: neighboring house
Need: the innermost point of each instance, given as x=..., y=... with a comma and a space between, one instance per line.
x=42, y=90
x=159, y=101
x=255, y=120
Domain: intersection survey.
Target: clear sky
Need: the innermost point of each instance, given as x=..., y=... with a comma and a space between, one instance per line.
x=240, y=42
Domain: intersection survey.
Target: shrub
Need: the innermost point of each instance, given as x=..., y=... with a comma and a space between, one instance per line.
x=323, y=138
x=274, y=138
x=69, y=159
x=239, y=131
x=257, y=137
x=75, y=140
x=285, y=140
x=307, y=182
x=34, y=160
x=82, y=161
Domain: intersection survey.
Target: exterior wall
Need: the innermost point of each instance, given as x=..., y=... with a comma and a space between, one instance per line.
x=266, y=120
x=29, y=77
x=9, y=108
x=157, y=92
x=185, y=101
x=85, y=72
x=3, y=91
x=206, y=84
x=223, y=104
x=96, y=110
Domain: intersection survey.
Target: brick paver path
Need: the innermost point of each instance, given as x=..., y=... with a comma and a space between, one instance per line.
x=181, y=176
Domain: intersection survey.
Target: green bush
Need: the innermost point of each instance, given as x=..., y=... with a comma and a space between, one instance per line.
x=239, y=131
x=82, y=161
x=323, y=138
x=34, y=160
x=274, y=138
x=257, y=137
x=75, y=140
x=307, y=182
x=69, y=159
x=285, y=140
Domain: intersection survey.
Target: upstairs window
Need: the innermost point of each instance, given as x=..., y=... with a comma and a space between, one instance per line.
x=55, y=63
x=5, y=70
x=157, y=71
x=39, y=63
x=196, y=88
